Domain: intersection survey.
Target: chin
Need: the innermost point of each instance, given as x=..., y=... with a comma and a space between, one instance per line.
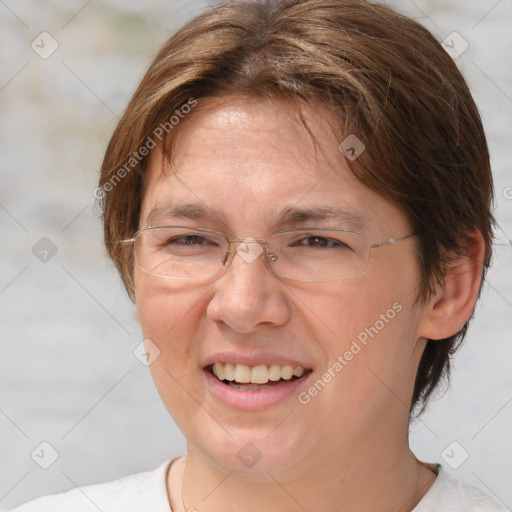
x=252, y=454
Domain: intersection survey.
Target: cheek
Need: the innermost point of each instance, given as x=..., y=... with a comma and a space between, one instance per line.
x=349, y=310
x=165, y=308
x=169, y=318
x=374, y=328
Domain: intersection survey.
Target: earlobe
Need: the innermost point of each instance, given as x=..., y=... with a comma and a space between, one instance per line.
x=451, y=306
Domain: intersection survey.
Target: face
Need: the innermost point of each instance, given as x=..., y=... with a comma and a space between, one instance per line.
x=242, y=164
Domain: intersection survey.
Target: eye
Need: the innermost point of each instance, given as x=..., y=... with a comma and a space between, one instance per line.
x=190, y=239
x=318, y=241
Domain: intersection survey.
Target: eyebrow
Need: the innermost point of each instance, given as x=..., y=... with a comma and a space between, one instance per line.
x=343, y=216
x=179, y=210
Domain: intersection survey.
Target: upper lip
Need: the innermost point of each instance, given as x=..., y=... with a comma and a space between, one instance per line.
x=254, y=359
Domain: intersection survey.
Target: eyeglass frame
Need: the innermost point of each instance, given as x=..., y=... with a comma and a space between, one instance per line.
x=265, y=256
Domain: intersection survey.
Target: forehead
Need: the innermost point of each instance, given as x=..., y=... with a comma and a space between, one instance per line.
x=251, y=131
x=250, y=161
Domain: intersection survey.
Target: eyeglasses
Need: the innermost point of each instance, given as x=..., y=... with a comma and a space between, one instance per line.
x=299, y=254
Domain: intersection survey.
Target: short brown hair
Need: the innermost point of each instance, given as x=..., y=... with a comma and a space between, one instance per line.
x=385, y=78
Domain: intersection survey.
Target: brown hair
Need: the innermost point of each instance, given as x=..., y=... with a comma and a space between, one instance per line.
x=385, y=78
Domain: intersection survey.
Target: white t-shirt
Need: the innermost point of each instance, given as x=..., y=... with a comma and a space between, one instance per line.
x=147, y=492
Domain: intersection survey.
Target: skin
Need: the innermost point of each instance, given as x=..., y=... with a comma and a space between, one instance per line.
x=347, y=449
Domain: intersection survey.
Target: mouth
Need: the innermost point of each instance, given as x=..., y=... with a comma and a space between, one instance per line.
x=256, y=378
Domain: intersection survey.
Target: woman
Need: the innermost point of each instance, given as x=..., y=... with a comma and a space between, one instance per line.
x=290, y=200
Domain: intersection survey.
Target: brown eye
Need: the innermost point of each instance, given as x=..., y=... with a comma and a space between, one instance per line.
x=189, y=240
x=318, y=241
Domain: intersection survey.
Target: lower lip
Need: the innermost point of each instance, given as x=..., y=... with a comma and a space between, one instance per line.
x=251, y=400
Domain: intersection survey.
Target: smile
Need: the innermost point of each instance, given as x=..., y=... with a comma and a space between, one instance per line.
x=252, y=378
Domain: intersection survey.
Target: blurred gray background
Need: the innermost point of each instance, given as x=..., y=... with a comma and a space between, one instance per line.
x=68, y=373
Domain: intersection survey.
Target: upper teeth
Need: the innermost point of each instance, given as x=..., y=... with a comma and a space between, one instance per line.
x=260, y=374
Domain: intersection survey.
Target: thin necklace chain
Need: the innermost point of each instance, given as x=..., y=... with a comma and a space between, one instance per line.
x=183, y=485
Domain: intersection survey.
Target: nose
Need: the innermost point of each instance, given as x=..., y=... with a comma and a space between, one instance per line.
x=249, y=296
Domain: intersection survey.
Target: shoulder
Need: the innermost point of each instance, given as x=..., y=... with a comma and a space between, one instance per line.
x=449, y=494
x=129, y=494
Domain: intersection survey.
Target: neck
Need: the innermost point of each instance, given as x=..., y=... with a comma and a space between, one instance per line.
x=385, y=479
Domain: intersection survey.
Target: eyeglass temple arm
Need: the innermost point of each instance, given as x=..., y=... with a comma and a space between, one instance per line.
x=392, y=240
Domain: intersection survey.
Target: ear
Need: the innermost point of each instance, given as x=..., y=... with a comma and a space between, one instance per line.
x=450, y=307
